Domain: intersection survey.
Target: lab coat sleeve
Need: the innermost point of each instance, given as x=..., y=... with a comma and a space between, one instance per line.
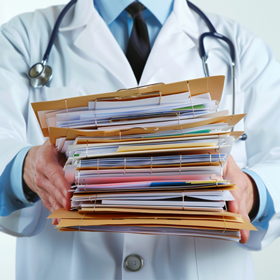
x=260, y=82
x=14, y=94
x=12, y=197
x=262, y=193
x=266, y=212
x=14, y=108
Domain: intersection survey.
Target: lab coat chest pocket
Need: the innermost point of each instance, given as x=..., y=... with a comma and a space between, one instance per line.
x=49, y=93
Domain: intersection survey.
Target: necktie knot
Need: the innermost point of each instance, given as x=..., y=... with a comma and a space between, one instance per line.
x=135, y=8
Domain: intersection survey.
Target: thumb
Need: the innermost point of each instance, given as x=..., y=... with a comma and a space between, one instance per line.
x=245, y=234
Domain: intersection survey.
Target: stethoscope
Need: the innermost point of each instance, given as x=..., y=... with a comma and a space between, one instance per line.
x=40, y=73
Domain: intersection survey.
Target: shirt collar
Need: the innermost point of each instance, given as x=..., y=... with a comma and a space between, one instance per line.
x=110, y=10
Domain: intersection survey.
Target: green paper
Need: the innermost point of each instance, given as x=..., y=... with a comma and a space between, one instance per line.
x=190, y=107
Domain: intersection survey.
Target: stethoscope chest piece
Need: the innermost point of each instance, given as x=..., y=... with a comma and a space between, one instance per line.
x=39, y=75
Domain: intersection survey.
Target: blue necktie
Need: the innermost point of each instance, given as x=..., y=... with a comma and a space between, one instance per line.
x=138, y=48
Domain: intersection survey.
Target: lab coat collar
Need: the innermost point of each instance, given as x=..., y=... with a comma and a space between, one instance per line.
x=99, y=44
x=175, y=37
x=97, y=41
x=159, y=8
x=186, y=18
x=83, y=11
x=110, y=12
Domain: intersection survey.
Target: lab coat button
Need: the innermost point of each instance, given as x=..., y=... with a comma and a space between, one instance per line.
x=133, y=263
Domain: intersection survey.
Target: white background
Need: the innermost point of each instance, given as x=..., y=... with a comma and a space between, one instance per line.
x=262, y=17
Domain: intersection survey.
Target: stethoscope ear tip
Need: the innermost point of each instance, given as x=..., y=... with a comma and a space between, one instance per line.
x=39, y=75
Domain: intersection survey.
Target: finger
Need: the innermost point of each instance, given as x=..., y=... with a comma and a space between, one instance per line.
x=233, y=206
x=245, y=234
x=54, y=222
x=57, y=178
x=227, y=165
x=47, y=204
x=55, y=174
x=49, y=190
x=44, y=195
x=48, y=166
x=55, y=204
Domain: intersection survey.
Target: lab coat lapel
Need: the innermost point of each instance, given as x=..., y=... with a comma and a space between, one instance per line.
x=174, y=38
x=99, y=44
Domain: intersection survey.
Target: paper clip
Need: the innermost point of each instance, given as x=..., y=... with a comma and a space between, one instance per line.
x=95, y=119
x=81, y=222
x=214, y=180
x=218, y=149
x=178, y=115
x=220, y=159
x=222, y=168
x=67, y=112
x=210, y=158
x=95, y=103
x=151, y=171
x=159, y=98
x=183, y=201
x=124, y=165
x=191, y=99
x=230, y=120
x=180, y=164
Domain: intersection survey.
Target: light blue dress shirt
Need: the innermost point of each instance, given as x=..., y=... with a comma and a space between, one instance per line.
x=120, y=24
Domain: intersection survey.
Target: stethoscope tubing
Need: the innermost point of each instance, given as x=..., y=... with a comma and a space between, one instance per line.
x=38, y=82
x=55, y=29
x=203, y=16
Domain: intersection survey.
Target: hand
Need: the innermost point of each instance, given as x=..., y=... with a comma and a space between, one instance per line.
x=43, y=173
x=246, y=197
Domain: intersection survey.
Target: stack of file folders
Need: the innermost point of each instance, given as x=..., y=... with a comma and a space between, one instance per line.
x=147, y=160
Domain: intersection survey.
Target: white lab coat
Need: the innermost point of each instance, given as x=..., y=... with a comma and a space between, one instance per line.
x=86, y=59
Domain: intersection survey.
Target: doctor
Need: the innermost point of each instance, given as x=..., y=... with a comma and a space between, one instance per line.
x=89, y=57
